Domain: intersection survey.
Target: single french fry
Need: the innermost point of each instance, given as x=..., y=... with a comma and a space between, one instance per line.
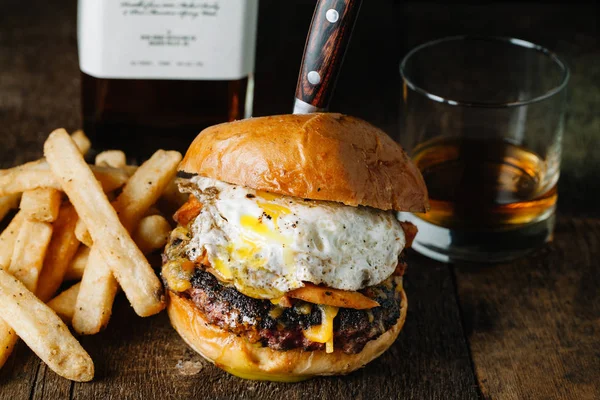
x=82, y=141
x=36, y=165
x=82, y=234
x=29, y=252
x=43, y=331
x=135, y=275
x=8, y=203
x=98, y=289
x=77, y=264
x=59, y=254
x=98, y=286
x=41, y=204
x=64, y=304
x=8, y=238
x=111, y=158
x=38, y=175
x=152, y=233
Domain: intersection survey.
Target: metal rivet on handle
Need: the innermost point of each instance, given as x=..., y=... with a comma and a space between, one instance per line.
x=332, y=15
x=314, y=77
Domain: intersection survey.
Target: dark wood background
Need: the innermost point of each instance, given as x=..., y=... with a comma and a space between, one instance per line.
x=529, y=329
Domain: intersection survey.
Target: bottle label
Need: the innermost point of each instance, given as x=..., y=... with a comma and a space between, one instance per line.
x=167, y=39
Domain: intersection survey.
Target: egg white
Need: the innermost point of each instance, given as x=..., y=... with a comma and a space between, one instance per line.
x=269, y=244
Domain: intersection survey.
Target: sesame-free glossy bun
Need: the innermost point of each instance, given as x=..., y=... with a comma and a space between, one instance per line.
x=237, y=356
x=322, y=156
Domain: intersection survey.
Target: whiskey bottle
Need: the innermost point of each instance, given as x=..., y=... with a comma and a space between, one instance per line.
x=154, y=73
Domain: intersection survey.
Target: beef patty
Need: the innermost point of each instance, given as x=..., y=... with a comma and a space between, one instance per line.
x=279, y=328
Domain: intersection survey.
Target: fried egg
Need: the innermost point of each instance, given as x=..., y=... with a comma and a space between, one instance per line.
x=267, y=244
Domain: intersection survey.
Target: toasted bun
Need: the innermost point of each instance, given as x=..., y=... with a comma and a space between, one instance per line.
x=316, y=156
x=241, y=358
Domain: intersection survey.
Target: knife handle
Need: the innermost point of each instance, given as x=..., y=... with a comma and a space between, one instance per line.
x=326, y=44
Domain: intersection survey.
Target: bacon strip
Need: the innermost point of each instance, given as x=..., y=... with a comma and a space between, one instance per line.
x=188, y=211
x=332, y=297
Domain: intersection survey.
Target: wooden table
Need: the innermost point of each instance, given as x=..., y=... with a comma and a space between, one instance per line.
x=528, y=329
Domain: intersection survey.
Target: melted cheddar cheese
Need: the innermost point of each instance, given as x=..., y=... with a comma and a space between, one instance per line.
x=177, y=274
x=323, y=333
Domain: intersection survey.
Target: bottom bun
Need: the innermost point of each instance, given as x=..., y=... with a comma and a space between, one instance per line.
x=249, y=361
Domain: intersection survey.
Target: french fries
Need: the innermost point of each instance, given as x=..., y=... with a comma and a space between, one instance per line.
x=59, y=254
x=8, y=203
x=48, y=281
x=41, y=204
x=38, y=175
x=78, y=263
x=64, y=304
x=98, y=287
x=43, y=331
x=112, y=158
x=8, y=238
x=141, y=286
x=146, y=186
x=83, y=235
x=152, y=233
x=27, y=239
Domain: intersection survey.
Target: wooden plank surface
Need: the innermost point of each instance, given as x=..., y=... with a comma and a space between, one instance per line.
x=534, y=324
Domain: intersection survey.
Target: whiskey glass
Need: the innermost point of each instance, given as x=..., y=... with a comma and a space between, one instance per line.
x=483, y=118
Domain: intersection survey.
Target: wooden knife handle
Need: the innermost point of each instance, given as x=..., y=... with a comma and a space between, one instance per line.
x=326, y=44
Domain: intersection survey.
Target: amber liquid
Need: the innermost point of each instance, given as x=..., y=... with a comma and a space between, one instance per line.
x=141, y=116
x=483, y=184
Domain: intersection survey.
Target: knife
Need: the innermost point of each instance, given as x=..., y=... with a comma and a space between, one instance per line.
x=326, y=44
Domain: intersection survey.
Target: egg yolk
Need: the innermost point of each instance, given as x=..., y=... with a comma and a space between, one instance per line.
x=256, y=232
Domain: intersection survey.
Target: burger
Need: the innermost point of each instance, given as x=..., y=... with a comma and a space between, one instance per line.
x=287, y=260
